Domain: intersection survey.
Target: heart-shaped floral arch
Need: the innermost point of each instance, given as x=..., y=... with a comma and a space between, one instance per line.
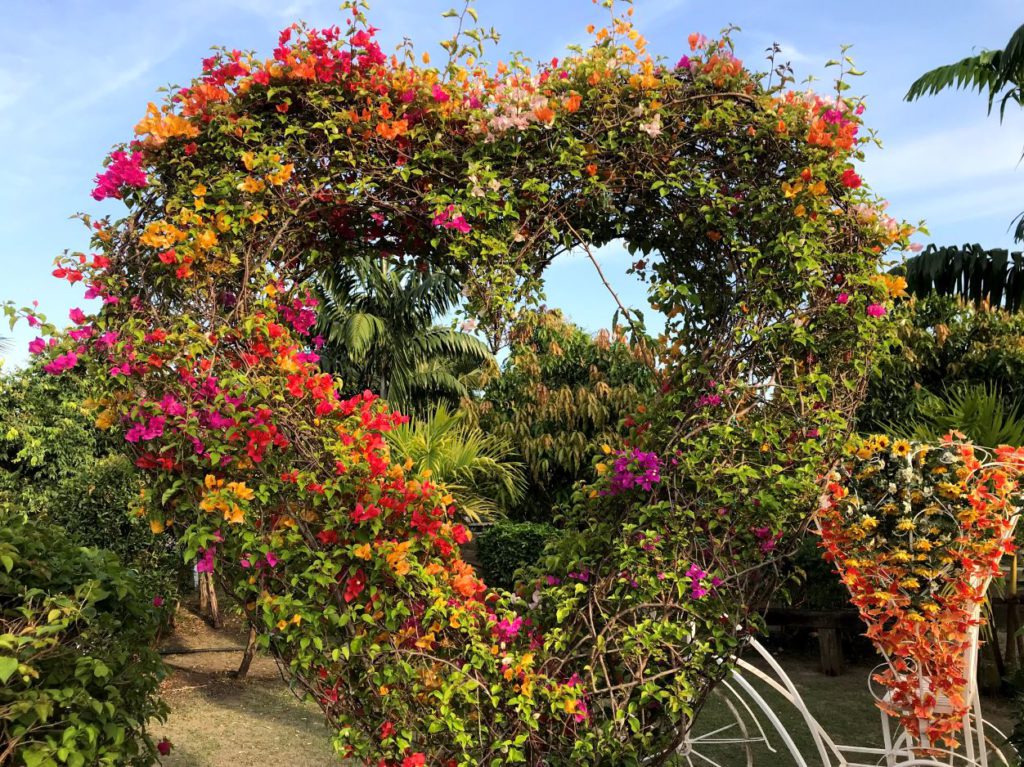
x=757, y=240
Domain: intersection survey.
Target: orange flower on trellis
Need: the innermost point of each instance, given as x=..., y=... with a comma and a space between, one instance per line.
x=916, y=533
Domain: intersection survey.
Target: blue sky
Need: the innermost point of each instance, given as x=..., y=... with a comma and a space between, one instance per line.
x=75, y=77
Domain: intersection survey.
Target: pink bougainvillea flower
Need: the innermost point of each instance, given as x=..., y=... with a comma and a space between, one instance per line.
x=509, y=629
x=36, y=346
x=876, y=310
x=842, y=298
x=440, y=94
x=77, y=316
x=206, y=560
x=158, y=601
x=62, y=363
x=272, y=559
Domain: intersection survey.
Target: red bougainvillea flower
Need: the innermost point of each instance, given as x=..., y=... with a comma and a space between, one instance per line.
x=851, y=179
x=164, y=747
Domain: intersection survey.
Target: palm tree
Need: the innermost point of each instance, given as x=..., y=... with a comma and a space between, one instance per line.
x=476, y=468
x=999, y=73
x=978, y=411
x=378, y=320
x=995, y=71
x=986, y=278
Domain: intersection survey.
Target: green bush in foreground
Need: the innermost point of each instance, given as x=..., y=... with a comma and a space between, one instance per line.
x=78, y=677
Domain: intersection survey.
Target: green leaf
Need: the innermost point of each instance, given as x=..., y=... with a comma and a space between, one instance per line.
x=8, y=666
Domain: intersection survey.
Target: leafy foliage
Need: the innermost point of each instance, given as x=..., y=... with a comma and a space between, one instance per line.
x=505, y=547
x=994, y=277
x=478, y=469
x=45, y=437
x=977, y=411
x=760, y=244
x=57, y=466
x=378, y=322
x=942, y=342
x=78, y=679
x=559, y=396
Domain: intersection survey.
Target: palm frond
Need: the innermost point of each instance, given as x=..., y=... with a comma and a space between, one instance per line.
x=995, y=72
x=978, y=411
x=994, y=277
x=378, y=320
x=476, y=468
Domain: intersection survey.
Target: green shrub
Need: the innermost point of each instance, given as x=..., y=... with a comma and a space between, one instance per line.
x=78, y=677
x=56, y=466
x=506, y=546
x=95, y=507
x=943, y=342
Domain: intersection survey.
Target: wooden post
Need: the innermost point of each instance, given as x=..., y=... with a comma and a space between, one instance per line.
x=204, y=594
x=831, y=647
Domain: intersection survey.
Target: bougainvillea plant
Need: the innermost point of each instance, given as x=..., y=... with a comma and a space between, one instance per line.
x=917, y=533
x=758, y=241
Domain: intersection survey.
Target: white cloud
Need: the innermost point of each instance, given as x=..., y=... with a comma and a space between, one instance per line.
x=946, y=159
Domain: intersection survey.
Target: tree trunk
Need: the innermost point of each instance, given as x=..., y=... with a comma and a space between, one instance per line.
x=211, y=590
x=250, y=651
x=204, y=594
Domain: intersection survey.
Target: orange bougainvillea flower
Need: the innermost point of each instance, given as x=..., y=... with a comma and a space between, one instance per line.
x=156, y=127
x=545, y=114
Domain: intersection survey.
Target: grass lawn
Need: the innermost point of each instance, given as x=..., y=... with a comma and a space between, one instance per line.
x=219, y=721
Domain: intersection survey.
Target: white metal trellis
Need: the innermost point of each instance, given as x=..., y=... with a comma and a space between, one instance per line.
x=756, y=724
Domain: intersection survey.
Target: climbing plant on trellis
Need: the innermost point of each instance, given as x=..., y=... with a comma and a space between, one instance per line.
x=751, y=228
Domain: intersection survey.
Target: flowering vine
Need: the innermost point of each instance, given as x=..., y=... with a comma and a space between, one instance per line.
x=757, y=242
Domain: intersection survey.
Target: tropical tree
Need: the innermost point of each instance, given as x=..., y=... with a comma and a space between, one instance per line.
x=478, y=469
x=379, y=323
x=560, y=395
x=943, y=341
x=992, y=277
x=997, y=73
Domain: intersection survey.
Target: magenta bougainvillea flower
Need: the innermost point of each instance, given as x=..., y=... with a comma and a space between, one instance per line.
x=635, y=469
x=123, y=170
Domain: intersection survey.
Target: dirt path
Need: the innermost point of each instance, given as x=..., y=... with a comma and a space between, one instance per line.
x=219, y=721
